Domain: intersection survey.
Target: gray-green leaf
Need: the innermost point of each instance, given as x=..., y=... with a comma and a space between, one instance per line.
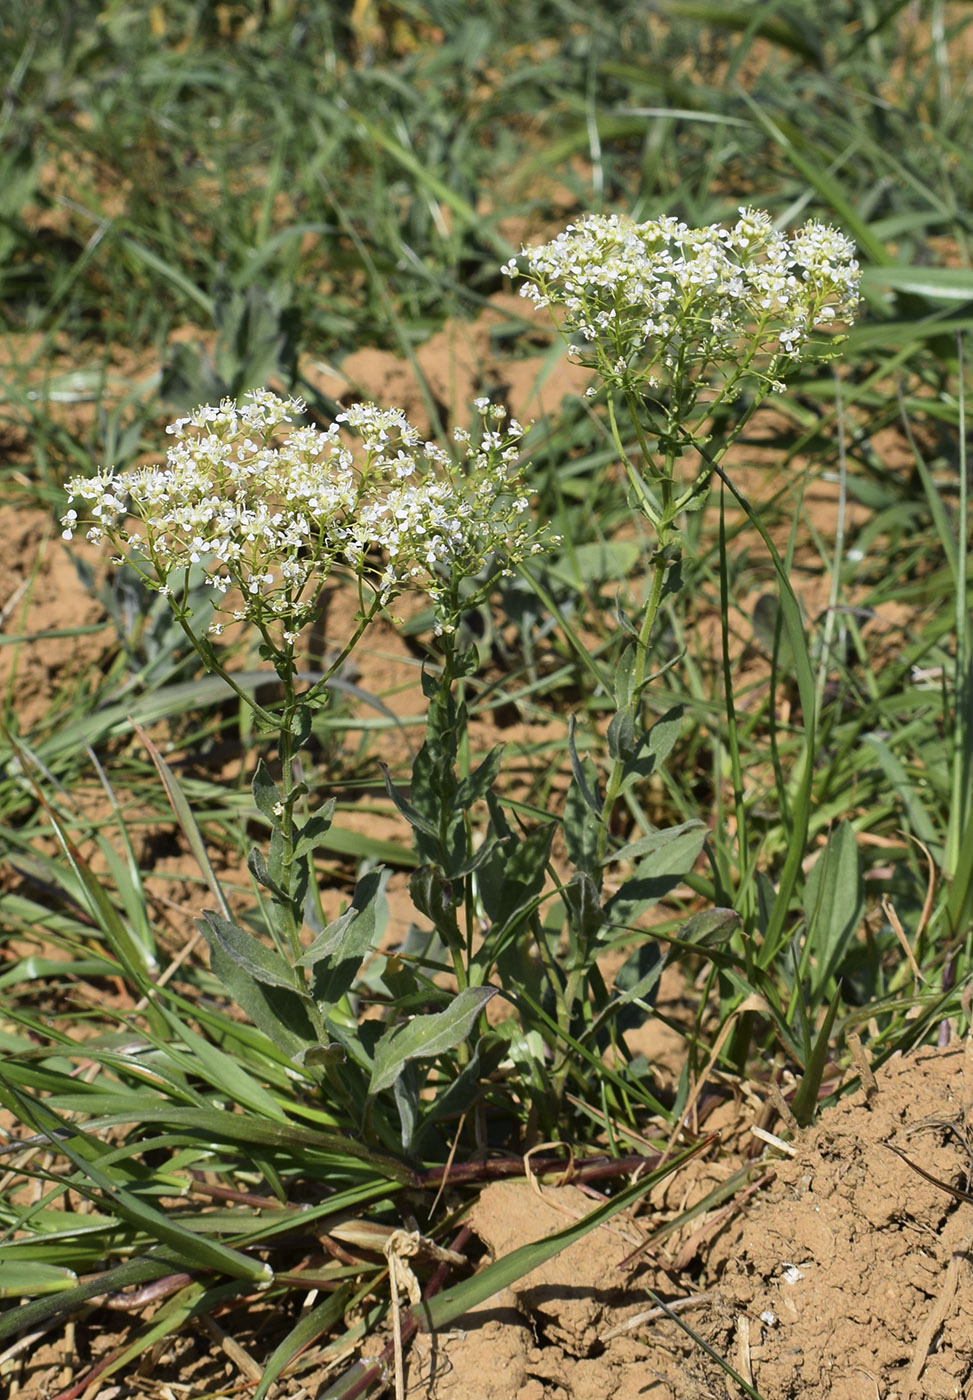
x=424, y=1037
x=263, y=964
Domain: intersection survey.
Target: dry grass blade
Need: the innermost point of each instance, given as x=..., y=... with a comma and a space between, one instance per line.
x=953, y=1191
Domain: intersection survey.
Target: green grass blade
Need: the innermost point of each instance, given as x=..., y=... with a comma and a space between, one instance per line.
x=792, y=142
x=185, y=818
x=29, y=1278
x=223, y=1125
x=704, y=1346
x=195, y=1251
x=329, y=1311
x=805, y=1103
x=785, y=30
x=141, y=254
x=128, y=1275
x=801, y=812
x=934, y=283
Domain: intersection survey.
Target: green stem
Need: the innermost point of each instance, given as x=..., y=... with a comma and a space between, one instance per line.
x=616, y=776
x=366, y=616
x=291, y=918
x=565, y=1013
x=665, y=477
x=207, y=655
x=663, y=521
x=646, y=502
x=461, y=957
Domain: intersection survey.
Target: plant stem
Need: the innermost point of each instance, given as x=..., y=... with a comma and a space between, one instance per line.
x=207, y=655
x=366, y=615
x=291, y=919
x=660, y=567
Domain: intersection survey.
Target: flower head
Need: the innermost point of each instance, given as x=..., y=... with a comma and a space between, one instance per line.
x=270, y=506
x=691, y=307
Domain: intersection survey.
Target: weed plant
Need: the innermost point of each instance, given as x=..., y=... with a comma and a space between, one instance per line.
x=771, y=799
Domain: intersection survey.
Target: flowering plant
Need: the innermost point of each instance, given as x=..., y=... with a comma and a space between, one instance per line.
x=689, y=330
x=270, y=508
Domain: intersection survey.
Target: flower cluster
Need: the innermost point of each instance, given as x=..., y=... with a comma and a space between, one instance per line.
x=438, y=523
x=270, y=507
x=660, y=303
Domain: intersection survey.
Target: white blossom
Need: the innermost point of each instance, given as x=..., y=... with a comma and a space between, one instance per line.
x=695, y=307
x=270, y=507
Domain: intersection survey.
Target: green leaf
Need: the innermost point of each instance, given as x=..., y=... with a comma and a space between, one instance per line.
x=474, y=788
x=266, y=794
x=709, y=927
x=312, y=1324
x=258, y=869
x=131, y=1273
x=639, y=974
x=182, y=808
x=959, y=907
x=138, y=961
x=663, y=735
x=603, y=561
x=625, y=678
x=443, y=191
x=802, y=777
x=805, y=1102
x=261, y=963
x=172, y=1314
x=337, y=942
x=668, y=839
x=29, y=1279
x=582, y=772
x=834, y=903
x=35, y=969
x=672, y=855
x=636, y=981
x=285, y=1015
x=225, y=1072
x=311, y=835
x=405, y=1092
x=498, y=819
x=582, y=901
x=623, y=740
x=413, y=816
x=435, y=897
x=767, y=623
x=906, y=790
x=224, y=1125
x=276, y=873
x=938, y=283
x=487, y=1055
x=645, y=757
x=510, y=881
x=82, y=1150
x=784, y=28
x=425, y=1037
x=335, y=957
x=582, y=819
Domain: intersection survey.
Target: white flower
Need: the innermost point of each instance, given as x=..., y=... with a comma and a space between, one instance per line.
x=269, y=507
x=708, y=306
